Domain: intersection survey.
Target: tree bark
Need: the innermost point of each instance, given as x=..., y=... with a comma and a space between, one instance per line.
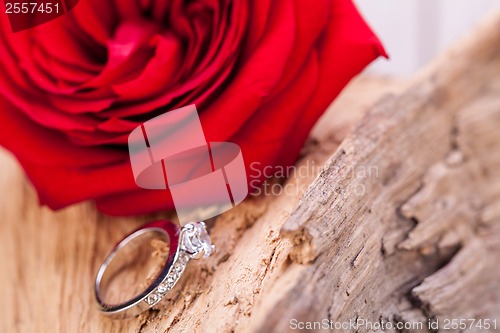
x=396, y=222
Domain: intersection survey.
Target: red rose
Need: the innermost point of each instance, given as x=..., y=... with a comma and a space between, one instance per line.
x=260, y=73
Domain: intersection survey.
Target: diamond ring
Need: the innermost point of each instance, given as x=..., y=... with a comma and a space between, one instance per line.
x=190, y=242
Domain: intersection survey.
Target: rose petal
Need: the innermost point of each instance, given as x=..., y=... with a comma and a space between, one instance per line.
x=41, y=146
x=96, y=18
x=256, y=78
x=160, y=70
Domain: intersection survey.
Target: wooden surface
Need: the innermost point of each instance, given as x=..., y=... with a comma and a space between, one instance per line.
x=401, y=224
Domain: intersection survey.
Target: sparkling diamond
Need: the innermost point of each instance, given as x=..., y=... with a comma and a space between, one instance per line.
x=196, y=239
x=182, y=259
x=162, y=289
x=152, y=299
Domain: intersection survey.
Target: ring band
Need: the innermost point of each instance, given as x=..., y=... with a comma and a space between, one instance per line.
x=190, y=242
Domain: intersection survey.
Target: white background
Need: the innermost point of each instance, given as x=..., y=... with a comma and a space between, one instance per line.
x=415, y=31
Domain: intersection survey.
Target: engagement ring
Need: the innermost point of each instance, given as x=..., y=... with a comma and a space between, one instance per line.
x=190, y=242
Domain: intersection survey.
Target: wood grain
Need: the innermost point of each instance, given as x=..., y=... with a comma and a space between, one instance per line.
x=397, y=219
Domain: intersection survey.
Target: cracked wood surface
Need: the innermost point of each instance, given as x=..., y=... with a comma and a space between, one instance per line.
x=423, y=239
x=401, y=222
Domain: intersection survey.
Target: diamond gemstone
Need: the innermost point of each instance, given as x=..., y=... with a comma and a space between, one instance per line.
x=151, y=299
x=183, y=259
x=162, y=289
x=197, y=239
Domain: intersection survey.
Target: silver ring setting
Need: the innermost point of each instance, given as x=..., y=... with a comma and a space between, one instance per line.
x=190, y=242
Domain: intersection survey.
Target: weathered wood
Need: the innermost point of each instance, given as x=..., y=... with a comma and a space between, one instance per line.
x=401, y=224
x=422, y=240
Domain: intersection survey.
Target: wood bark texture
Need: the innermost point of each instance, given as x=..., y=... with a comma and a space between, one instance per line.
x=396, y=219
